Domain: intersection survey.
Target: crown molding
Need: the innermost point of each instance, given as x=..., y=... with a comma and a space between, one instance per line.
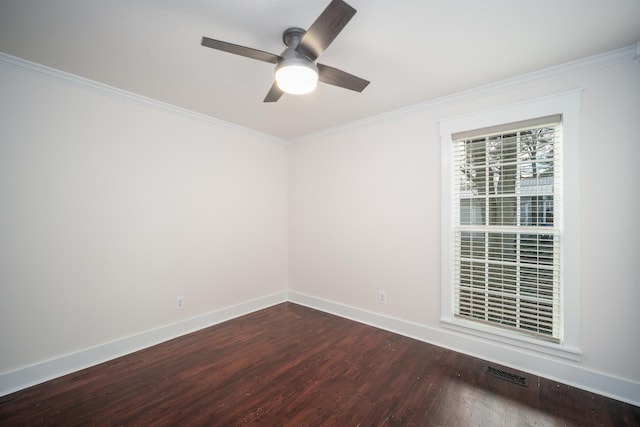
x=625, y=54
x=59, y=75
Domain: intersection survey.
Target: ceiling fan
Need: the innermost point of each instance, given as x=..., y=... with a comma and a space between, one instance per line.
x=297, y=71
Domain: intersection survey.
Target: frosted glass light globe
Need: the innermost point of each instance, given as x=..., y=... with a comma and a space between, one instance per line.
x=296, y=79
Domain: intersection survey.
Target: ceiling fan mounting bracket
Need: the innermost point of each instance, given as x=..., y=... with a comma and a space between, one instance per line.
x=291, y=36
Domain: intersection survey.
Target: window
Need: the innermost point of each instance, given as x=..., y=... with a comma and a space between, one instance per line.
x=506, y=243
x=510, y=260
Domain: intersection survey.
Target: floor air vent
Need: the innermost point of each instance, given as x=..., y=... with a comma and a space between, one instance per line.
x=507, y=376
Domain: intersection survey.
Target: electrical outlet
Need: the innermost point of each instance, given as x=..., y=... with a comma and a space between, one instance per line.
x=382, y=297
x=179, y=302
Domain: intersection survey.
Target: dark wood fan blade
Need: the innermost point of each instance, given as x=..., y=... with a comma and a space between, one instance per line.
x=274, y=93
x=260, y=55
x=322, y=32
x=336, y=77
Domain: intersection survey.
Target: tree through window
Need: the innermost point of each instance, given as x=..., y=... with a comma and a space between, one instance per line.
x=506, y=242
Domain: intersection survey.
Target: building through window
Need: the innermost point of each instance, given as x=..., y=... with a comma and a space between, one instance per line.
x=510, y=212
x=506, y=241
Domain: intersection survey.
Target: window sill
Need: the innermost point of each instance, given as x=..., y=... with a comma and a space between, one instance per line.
x=505, y=337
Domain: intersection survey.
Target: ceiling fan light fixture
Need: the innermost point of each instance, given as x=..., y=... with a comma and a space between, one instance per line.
x=297, y=76
x=296, y=69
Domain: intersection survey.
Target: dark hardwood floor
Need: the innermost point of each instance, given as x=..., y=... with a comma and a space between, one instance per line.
x=293, y=366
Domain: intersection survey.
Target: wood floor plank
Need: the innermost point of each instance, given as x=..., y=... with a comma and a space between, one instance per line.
x=290, y=365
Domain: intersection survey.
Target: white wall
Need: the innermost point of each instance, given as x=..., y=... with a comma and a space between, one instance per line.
x=364, y=210
x=111, y=206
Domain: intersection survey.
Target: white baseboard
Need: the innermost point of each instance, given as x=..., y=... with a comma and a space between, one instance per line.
x=556, y=369
x=54, y=368
x=560, y=370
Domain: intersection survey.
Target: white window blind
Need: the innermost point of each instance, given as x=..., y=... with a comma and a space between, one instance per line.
x=506, y=226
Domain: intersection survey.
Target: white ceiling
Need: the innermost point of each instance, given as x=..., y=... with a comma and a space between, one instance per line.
x=412, y=51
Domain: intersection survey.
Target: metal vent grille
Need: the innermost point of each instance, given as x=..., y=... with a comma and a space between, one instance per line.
x=507, y=376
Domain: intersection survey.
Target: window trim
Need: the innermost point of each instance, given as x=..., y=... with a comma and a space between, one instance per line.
x=567, y=104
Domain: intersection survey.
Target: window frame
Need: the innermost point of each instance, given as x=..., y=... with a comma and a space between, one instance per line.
x=568, y=105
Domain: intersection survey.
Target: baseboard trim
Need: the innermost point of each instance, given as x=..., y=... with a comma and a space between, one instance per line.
x=560, y=370
x=54, y=368
x=556, y=369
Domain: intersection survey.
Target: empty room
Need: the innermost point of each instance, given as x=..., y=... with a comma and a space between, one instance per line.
x=319, y=213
